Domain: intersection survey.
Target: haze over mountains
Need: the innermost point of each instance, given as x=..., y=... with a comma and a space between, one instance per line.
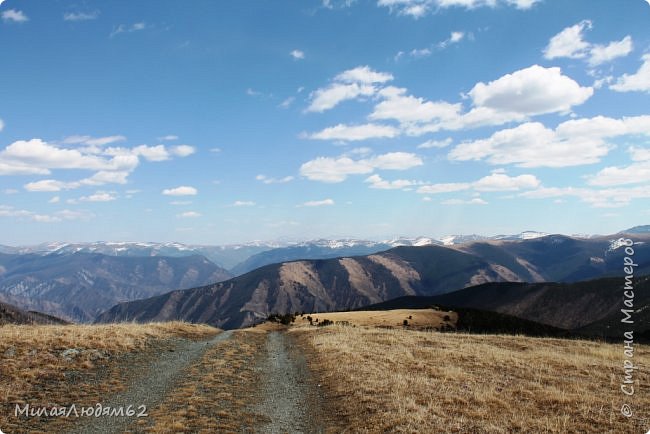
x=353, y=282
x=78, y=281
x=79, y=286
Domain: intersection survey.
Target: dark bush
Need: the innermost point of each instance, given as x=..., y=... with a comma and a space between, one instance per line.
x=406, y=322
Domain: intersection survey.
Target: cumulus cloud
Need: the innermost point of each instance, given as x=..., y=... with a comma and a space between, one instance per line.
x=15, y=16
x=376, y=181
x=606, y=53
x=497, y=181
x=183, y=190
x=324, y=202
x=329, y=97
x=355, y=132
x=351, y=84
x=570, y=43
x=572, y=143
x=333, y=170
x=531, y=91
x=635, y=173
x=182, y=150
x=409, y=109
x=639, y=81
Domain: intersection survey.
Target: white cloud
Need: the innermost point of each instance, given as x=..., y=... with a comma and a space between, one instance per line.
x=454, y=38
x=80, y=16
x=503, y=182
x=50, y=185
x=14, y=16
x=324, y=202
x=10, y=191
x=183, y=150
x=287, y=102
x=266, y=180
x=329, y=97
x=409, y=109
x=100, y=196
x=348, y=85
x=180, y=191
x=569, y=42
x=55, y=199
x=376, y=181
x=435, y=144
x=37, y=156
x=243, y=203
x=572, y=143
x=635, y=173
x=297, y=54
x=606, y=53
x=125, y=28
x=474, y=201
x=497, y=181
x=189, y=214
x=152, y=153
x=444, y=187
x=419, y=8
x=105, y=177
x=333, y=170
x=639, y=81
x=2, y=124
x=93, y=141
x=180, y=202
x=8, y=211
x=513, y=97
x=531, y=91
x=597, y=198
x=364, y=75
x=355, y=132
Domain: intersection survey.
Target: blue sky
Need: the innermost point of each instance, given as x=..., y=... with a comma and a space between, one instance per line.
x=223, y=122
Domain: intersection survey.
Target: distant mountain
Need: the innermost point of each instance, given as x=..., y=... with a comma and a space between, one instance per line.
x=226, y=256
x=13, y=315
x=315, y=285
x=644, y=229
x=325, y=249
x=590, y=308
x=79, y=286
x=351, y=282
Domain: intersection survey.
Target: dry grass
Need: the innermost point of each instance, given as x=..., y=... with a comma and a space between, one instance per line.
x=215, y=394
x=34, y=371
x=417, y=318
x=408, y=381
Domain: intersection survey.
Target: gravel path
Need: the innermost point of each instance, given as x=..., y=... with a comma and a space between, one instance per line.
x=153, y=382
x=289, y=397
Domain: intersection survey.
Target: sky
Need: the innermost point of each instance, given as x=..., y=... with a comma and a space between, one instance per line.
x=224, y=122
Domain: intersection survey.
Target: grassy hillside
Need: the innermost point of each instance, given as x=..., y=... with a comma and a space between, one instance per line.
x=402, y=381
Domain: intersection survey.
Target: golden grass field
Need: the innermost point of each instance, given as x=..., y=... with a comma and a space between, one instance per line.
x=34, y=371
x=416, y=318
x=405, y=381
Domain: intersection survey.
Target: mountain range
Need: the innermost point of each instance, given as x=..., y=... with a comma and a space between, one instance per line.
x=79, y=286
x=353, y=282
